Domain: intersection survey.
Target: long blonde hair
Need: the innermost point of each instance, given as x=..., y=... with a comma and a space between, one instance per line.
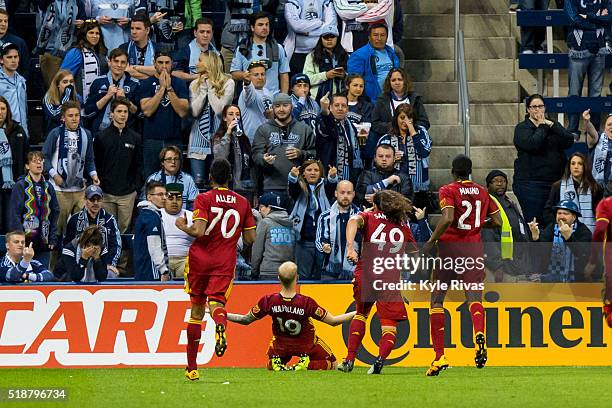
x=53, y=93
x=210, y=63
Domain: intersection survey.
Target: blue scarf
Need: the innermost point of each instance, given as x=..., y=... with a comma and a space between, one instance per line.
x=339, y=264
x=71, y=159
x=6, y=159
x=106, y=120
x=561, y=266
x=133, y=54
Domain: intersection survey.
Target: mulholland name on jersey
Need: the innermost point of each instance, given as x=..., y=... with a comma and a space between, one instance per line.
x=288, y=309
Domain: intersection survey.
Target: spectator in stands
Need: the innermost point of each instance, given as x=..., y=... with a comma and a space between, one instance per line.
x=305, y=109
x=336, y=139
x=187, y=60
x=383, y=176
x=312, y=193
x=374, y=61
x=13, y=149
x=353, y=34
x=13, y=86
x=94, y=214
x=360, y=113
x=19, y=265
x=114, y=18
x=508, y=258
x=58, y=32
x=396, y=91
x=541, y=145
x=118, y=156
x=170, y=158
x=177, y=241
x=141, y=49
x=305, y=23
x=255, y=101
x=68, y=153
x=82, y=260
x=236, y=28
x=331, y=234
x=150, y=251
x=6, y=37
x=87, y=59
x=264, y=48
x=104, y=90
x=587, y=50
x=325, y=66
x=164, y=100
x=60, y=91
x=565, y=259
x=166, y=22
x=34, y=208
x=275, y=239
x=231, y=143
x=209, y=94
x=280, y=144
x=532, y=38
x=601, y=146
x=579, y=186
x=412, y=146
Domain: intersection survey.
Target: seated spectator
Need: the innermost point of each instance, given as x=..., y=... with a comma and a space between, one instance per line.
x=81, y=259
x=331, y=234
x=305, y=109
x=541, y=145
x=164, y=101
x=104, y=90
x=94, y=214
x=209, y=94
x=34, y=208
x=13, y=148
x=601, y=146
x=396, y=91
x=337, y=139
x=187, y=64
x=383, y=176
x=140, y=49
x=280, y=144
x=177, y=241
x=275, y=238
x=507, y=252
x=87, y=59
x=312, y=193
x=231, y=143
x=114, y=18
x=170, y=159
x=412, y=146
x=118, y=156
x=6, y=37
x=150, y=250
x=19, y=265
x=68, y=153
x=374, y=60
x=325, y=66
x=60, y=91
x=255, y=101
x=13, y=86
x=565, y=259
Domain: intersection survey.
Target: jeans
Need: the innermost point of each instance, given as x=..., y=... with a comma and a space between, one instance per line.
x=533, y=37
x=594, y=66
x=309, y=260
x=532, y=196
x=150, y=154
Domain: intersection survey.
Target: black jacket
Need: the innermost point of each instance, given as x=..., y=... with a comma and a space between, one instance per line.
x=374, y=176
x=578, y=244
x=382, y=115
x=541, y=151
x=19, y=149
x=71, y=267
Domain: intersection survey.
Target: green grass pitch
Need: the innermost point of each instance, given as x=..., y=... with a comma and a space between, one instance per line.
x=456, y=387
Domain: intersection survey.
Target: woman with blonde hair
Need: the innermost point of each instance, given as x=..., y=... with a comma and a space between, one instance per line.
x=209, y=94
x=60, y=91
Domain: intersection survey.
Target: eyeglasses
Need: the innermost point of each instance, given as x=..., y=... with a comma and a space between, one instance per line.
x=536, y=107
x=95, y=199
x=172, y=159
x=37, y=161
x=260, y=53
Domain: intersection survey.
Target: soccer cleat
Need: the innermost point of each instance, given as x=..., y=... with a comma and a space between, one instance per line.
x=302, y=364
x=607, y=309
x=437, y=366
x=377, y=366
x=346, y=366
x=192, y=375
x=481, y=352
x=277, y=364
x=220, y=340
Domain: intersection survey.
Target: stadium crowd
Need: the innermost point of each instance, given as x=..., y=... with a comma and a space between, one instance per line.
x=314, y=116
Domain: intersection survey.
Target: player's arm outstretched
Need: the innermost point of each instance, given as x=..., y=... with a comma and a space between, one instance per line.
x=354, y=224
x=244, y=319
x=336, y=320
x=248, y=236
x=494, y=221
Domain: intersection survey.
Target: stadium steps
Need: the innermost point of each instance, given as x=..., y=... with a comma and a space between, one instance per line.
x=474, y=25
x=447, y=6
x=477, y=70
x=490, y=92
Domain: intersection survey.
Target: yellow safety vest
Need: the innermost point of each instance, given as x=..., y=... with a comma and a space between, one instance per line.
x=507, y=245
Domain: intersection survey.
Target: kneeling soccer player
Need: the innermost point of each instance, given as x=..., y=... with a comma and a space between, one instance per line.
x=293, y=333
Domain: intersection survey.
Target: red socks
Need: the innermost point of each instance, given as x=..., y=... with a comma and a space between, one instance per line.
x=194, y=332
x=436, y=327
x=386, y=343
x=477, y=312
x=219, y=315
x=357, y=331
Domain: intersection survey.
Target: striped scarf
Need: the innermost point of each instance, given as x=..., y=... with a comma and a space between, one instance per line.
x=91, y=70
x=561, y=266
x=37, y=208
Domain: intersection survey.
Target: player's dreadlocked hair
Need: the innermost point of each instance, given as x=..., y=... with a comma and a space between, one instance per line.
x=395, y=206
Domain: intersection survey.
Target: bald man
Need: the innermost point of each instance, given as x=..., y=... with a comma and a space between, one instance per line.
x=293, y=333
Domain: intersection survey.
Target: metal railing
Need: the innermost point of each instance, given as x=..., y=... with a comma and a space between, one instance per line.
x=463, y=105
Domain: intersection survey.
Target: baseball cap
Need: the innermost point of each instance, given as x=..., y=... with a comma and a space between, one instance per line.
x=174, y=188
x=281, y=98
x=271, y=199
x=93, y=190
x=299, y=78
x=330, y=30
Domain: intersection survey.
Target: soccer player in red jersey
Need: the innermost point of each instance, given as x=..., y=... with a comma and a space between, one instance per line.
x=219, y=217
x=603, y=229
x=386, y=222
x=292, y=329
x=466, y=209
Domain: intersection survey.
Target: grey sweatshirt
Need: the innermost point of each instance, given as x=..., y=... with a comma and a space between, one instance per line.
x=273, y=244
